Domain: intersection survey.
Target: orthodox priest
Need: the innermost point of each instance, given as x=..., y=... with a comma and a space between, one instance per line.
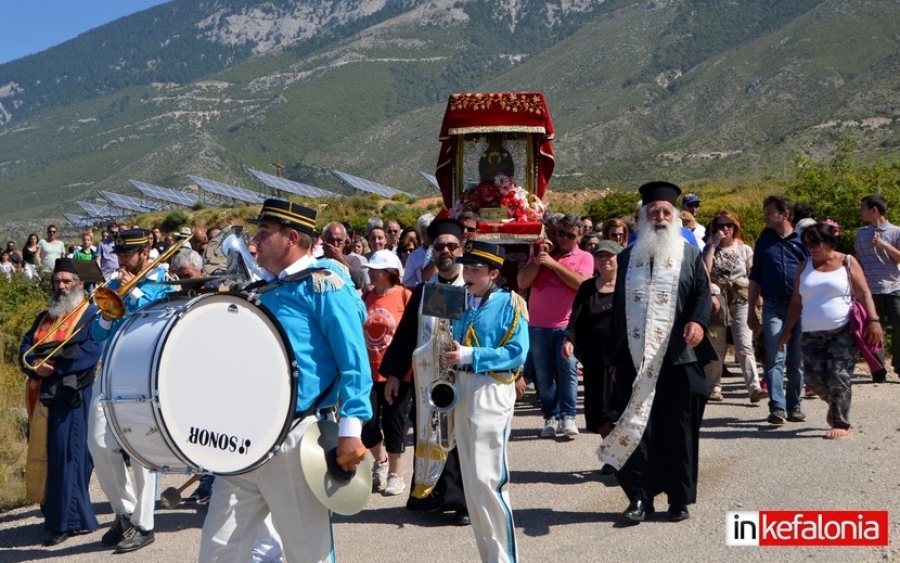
x=661, y=309
x=63, y=384
x=437, y=484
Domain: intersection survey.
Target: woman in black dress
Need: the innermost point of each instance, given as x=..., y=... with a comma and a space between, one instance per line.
x=589, y=338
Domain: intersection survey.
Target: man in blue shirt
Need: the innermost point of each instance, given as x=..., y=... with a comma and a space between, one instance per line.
x=133, y=526
x=777, y=254
x=322, y=317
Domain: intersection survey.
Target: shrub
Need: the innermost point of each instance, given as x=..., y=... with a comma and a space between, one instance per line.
x=174, y=220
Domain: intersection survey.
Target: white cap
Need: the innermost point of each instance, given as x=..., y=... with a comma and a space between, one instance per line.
x=383, y=259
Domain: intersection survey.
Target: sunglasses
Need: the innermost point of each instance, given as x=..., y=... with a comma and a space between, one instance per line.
x=470, y=229
x=440, y=246
x=52, y=232
x=567, y=234
x=692, y=205
x=393, y=230
x=724, y=225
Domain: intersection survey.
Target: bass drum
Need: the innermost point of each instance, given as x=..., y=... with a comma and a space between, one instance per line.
x=200, y=384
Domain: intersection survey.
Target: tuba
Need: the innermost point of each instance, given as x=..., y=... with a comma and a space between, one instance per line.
x=227, y=253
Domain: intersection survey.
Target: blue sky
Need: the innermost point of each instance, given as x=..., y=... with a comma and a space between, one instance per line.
x=31, y=26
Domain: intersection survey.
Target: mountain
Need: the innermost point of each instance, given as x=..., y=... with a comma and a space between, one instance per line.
x=682, y=89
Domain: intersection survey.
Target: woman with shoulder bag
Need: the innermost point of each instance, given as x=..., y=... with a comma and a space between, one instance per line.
x=728, y=261
x=824, y=290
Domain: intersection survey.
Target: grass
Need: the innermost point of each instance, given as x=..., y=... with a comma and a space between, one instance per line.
x=12, y=437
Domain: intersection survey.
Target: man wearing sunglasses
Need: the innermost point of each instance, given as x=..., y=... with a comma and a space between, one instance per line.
x=51, y=248
x=554, y=277
x=691, y=203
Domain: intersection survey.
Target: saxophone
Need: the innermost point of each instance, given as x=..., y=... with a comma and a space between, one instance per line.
x=442, y=395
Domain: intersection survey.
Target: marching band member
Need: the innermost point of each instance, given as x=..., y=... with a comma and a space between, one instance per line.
x=64, y=389
x=322, y=316
x=490, y=343
x=133, y=526
x=414, y=331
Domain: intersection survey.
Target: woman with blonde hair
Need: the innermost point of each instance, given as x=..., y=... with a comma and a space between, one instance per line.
x=728, y=261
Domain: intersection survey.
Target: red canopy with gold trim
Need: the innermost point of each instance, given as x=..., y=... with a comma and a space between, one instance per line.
x=496, y=112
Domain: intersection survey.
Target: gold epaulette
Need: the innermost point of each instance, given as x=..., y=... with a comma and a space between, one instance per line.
x=326, y=281
x=518, y=303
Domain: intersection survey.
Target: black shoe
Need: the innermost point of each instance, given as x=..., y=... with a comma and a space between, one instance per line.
x=200, y=496
x=121, y=525
x=607, y=469
x=55, y=538
x=134, y=539
x=462, y=519
x=677, y=512
x=777, y=417
x=796, y=415
x=637, y=511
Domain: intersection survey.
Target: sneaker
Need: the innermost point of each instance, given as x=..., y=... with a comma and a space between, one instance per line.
x=568, y=428
x=134, y=539
x=549, y=429
x=776, y=416
x=796, y=415
x=200, y=496
x=395, y=485
x=758, y=395
x=716, y=396
x=379, y=475
x=121, y=525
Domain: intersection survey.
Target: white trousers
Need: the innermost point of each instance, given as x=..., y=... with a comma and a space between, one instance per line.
x=240, y=504
x=482, y=420
x=112, y=475
x=743, y=348
x=267, y=548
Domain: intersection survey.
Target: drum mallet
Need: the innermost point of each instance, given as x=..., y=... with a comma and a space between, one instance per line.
x=171, y=497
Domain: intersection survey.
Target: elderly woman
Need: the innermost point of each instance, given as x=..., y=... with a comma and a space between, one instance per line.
x=728, y=261
x=590, y=241
x=824, y=289
x=589, y=337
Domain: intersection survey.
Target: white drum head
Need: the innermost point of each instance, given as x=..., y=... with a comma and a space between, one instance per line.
x=226, y=388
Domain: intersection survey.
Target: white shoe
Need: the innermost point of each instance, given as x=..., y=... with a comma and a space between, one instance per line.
x=568, y=428
x=549, y=429
x=379, y=475
x=395, y=485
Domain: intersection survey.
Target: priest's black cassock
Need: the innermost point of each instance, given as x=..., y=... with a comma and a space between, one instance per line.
x=666, y=459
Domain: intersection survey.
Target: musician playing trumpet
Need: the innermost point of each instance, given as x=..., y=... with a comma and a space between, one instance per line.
x=489, y=348
x=133, y=525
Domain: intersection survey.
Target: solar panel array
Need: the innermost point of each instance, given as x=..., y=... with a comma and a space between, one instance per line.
x=362, y=184
x=290, y=186
x=130, y=203
x=170, y=196
x=79, y=221
x=227, y=190
x=431, y=179
x=98, y=211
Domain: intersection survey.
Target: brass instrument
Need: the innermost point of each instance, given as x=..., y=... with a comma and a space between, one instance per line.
x=442, y=394
x=227, y=253
x=109, y=302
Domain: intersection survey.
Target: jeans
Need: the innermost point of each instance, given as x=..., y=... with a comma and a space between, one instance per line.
x=557, y=382
x=888, y=307
x=782, y=397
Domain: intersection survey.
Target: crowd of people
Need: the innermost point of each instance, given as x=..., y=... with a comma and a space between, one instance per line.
x=638, y=308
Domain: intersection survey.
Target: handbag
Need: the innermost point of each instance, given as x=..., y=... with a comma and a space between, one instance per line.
x=859, y=318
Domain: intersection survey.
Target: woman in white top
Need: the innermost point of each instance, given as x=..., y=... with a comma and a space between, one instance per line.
x=823, y=288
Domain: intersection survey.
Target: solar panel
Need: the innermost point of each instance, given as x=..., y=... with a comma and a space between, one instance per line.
x=127, y=202
x=290, y=186
x=98, y=211
x=79, y=221
x=431, y=179
x=227, y=190
x=170, y=196
x=358, y=183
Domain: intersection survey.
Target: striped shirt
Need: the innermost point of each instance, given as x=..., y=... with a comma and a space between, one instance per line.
x=882, y=274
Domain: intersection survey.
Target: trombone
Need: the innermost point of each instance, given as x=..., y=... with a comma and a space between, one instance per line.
x=110, y=303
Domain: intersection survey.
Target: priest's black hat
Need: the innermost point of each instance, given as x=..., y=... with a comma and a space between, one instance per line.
x=659, y=191
x=440, y=227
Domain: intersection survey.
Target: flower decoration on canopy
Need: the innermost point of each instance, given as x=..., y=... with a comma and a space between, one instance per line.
x=520, y=205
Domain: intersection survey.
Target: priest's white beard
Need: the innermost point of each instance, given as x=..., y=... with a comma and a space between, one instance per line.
x=63, y=302
x=657, y=241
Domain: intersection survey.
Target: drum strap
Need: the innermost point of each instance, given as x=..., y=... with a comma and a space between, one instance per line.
x=315, y=404
x=263, y=286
